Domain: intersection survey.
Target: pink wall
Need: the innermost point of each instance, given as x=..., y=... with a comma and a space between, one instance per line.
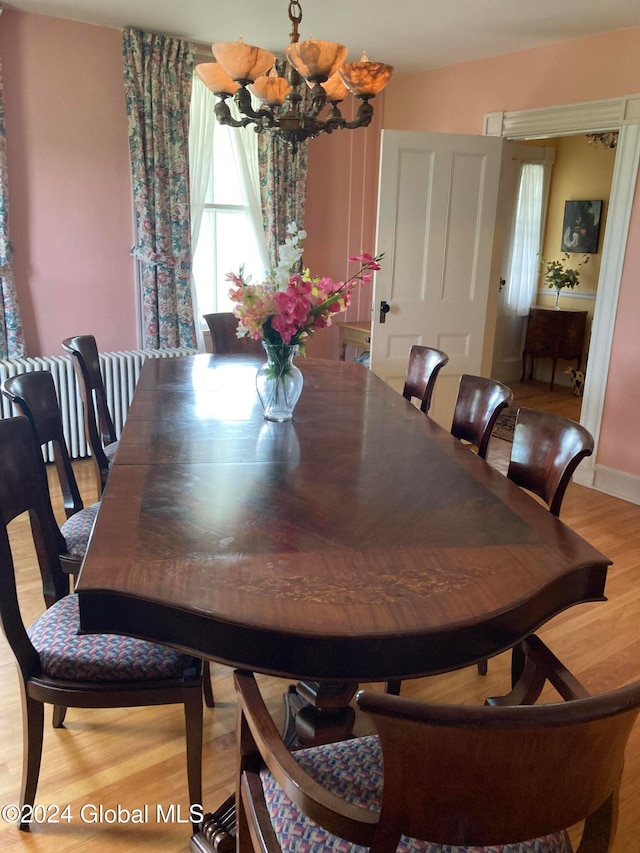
x=340, y=215
x=69, y=181
x=455, y=99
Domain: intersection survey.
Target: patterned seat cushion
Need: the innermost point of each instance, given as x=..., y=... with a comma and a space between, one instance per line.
x=67, y=655
x=110, y=451
x=353, y=770
x=77, y=529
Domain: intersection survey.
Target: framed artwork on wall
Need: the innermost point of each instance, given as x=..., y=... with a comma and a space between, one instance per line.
x=581, y=226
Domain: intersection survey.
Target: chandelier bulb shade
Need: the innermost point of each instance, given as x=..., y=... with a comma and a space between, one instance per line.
x=271, y=89
x=335, y=89
x=316, y=61
x=216, y=78
x=243, y=70
x=365, y=79
x=244, y=63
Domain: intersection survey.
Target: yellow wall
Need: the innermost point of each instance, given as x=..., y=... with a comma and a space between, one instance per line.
x=581, y=171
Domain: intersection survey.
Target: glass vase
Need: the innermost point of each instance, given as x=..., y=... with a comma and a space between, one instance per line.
x=279, y=382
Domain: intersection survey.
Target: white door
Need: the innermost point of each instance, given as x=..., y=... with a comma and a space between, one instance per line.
x=510, y=327
x=436, y=215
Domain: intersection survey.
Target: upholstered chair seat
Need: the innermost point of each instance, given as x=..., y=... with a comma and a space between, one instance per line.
x=70, y=656
x=353, y=770
x=77, y=529
x=110, y=451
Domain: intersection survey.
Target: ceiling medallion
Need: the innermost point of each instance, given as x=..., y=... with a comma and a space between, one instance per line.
x=242, y=70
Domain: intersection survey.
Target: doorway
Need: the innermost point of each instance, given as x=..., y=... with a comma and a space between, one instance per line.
x=579, y=169
x=593, y=117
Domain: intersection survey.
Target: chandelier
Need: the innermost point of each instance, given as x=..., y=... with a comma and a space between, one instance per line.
x=242, y=70
x=607, y=140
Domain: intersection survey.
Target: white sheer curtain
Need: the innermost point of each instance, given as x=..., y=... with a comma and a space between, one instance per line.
x=245, y=142
x=201, y=127
x=524, y=262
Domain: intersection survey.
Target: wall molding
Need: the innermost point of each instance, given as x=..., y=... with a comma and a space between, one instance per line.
x=585, y=117
x=611, y=482
x=566, y=294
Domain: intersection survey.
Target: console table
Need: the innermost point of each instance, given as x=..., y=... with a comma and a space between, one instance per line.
x=553, y=334
x=357, y=334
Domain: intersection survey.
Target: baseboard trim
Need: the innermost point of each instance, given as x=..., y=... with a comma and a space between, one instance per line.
x=618, y=484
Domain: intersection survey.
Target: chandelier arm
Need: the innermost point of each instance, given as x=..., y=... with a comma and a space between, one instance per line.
x=318, y=100
x=243, y=101
x=223, y=115
x=334, y=119
x=363, y=116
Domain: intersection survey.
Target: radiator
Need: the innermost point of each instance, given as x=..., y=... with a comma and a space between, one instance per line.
x=120, y=372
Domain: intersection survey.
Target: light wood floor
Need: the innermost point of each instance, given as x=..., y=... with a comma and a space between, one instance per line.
x=134, y=757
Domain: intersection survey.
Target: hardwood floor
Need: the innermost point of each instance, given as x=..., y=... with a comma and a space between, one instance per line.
x=536, y=394
x=136, y=757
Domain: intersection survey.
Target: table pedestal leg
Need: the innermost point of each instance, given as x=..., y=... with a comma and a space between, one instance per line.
x=318, y=713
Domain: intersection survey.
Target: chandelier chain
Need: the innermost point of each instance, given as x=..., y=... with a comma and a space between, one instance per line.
x=295, y=16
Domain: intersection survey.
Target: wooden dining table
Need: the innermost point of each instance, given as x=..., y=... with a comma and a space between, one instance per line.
x=359, y=542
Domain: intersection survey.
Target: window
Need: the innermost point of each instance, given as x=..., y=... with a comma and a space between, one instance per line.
x=525, y=243
x=226, y=239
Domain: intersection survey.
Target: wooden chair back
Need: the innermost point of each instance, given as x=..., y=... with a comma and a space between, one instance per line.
x=456, y=775
x=422, y=371
x=23, y=488
x=34, y=395
x=98, y=424
x=479, y=402
x=546, y=450
x=224, y=340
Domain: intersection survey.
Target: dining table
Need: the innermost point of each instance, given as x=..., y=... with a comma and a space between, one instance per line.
x=358, y=542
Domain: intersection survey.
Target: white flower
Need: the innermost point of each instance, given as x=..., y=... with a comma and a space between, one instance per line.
x=289, y=254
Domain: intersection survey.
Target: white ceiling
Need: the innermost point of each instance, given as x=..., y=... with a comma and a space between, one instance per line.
x=412, y=35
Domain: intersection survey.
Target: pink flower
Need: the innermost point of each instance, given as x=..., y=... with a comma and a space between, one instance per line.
x=367, y=260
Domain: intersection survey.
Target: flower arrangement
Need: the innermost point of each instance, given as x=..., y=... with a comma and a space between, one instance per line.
x=291, y=304
x=284, y=311
x=557, y=274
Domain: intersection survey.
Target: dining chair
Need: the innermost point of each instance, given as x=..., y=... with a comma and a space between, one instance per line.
x=422, y=371
x=460, y=775
x=57, y=665
x=546, y=450
x=101, y=434
x=34, y=395
x=224, y=340
x=98, y=424
x=478, y=404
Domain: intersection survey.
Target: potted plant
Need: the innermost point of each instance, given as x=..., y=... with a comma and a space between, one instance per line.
x=557, y=274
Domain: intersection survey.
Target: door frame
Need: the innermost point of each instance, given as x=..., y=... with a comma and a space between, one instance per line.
x=623, y=115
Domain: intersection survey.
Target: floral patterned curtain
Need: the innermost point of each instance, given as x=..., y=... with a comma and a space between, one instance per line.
x=11, y=337
x=158, y=71
x=283, y=184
